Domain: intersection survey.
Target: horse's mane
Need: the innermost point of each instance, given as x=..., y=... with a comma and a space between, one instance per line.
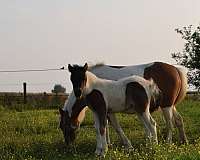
x=76, y=66
x=95, y=65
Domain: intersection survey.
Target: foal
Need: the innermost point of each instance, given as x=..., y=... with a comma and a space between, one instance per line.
x=128, y=95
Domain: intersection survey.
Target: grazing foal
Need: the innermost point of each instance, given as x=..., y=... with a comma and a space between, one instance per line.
x=128, y=95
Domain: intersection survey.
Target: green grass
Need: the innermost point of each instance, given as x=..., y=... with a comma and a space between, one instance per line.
x=34, y=134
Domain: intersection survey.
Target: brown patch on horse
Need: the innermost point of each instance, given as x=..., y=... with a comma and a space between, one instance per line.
x=77, y=108
x=97, y=103
x=136, y=97
x=167, y=79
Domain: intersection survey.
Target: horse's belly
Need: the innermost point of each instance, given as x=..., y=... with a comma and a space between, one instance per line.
x=116, y=105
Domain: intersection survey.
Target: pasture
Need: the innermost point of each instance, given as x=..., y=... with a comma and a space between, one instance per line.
x=34, y=134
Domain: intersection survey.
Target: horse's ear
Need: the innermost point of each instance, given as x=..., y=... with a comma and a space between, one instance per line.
x=61, y=111
x=70, y=68
x=85, y=67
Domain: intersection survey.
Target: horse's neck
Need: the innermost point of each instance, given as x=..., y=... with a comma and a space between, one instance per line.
x=93, y=81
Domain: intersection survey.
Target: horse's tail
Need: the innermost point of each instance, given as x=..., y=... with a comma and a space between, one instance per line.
x=184, y=84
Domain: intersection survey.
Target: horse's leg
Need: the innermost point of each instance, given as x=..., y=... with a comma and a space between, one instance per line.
x=168, y=115
x=153, y=129
x=104, y=143
x=146, y=128
x=114, y=122
x=107, y=134
x=150, y=126
x=179, y=124
x=101, y=147
x=98, y=135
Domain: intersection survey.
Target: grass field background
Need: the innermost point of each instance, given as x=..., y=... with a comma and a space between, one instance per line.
x=34, y=134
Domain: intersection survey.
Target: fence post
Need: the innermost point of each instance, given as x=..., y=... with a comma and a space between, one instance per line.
x=25, y=96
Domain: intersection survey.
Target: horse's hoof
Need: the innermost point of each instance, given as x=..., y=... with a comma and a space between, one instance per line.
x=128, y=146
x=103, y=155
x=98, y=152
x=169, y=141
x=155, y=142
x=185, y=141
x=100, y=155
x=110, y=145
x=129, y=149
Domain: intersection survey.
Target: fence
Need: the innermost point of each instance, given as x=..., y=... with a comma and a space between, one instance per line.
x=49, y=100
x=195, y=95
x=34, y=99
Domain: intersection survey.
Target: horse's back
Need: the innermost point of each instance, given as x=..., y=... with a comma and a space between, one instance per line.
x=119, y=72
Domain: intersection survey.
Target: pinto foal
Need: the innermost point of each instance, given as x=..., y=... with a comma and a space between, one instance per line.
x=128, y=95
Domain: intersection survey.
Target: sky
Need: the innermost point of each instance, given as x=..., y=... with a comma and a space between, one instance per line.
x=40, y=34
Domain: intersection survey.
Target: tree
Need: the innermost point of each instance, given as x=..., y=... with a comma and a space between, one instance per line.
x=58, y=89
x=190, y=56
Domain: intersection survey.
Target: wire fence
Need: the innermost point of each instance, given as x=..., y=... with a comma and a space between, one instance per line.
x=37, y=100
x=33, y=100
x=48, y=100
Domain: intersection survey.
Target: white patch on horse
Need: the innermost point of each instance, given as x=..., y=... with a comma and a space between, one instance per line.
x=69, y=103
x=168, y=115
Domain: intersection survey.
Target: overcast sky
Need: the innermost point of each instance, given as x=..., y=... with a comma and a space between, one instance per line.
x=37, y=34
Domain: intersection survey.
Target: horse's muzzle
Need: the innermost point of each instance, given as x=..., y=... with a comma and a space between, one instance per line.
x=77, y=93
x=70, y=136
x=69, y=139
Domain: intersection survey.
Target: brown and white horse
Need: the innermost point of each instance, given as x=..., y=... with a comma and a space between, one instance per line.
x=171, y=80
x=128, y=95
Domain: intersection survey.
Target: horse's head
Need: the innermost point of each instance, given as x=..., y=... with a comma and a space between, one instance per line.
x=78, y=78
x=71, y=117
x=68, y=130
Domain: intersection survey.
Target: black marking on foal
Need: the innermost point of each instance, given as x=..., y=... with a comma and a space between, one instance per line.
x=97, y=103
x=136, y=94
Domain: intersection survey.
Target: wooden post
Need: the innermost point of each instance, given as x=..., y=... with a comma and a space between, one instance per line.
x=25, y=96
